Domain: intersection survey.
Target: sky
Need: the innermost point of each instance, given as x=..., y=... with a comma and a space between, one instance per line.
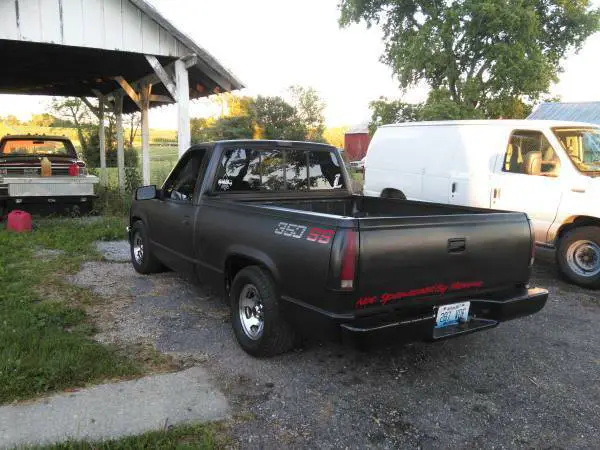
x=272, y=44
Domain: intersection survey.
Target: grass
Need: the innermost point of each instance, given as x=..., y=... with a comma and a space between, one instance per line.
x=207, y=436
x=45, y=338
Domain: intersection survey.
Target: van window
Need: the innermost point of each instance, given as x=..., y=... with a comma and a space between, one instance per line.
x=530, y=153
x=582, y=145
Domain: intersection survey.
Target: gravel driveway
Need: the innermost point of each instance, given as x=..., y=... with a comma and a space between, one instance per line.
x=533, y=382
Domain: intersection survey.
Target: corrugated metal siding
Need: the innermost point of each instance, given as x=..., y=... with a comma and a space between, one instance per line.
x=578, y=112
x=104, y=24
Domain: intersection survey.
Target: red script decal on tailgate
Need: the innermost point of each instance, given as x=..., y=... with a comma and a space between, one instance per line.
x=436, y=289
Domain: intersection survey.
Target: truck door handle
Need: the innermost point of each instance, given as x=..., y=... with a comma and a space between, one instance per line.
x=496, y=193
x=454, y=187
x=457, y=245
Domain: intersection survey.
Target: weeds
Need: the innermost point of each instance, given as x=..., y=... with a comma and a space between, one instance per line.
x=45, y=343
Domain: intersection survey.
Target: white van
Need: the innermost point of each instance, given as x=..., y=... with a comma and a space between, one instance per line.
x=548, y=169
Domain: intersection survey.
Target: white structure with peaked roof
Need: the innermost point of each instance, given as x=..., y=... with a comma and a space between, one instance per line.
x=121, y=51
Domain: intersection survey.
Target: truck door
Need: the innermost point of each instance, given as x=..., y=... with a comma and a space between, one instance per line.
x=527, y=179
x=173, y=222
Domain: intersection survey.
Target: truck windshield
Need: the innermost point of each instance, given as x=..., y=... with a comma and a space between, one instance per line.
x=31, y=147
x=582, y=145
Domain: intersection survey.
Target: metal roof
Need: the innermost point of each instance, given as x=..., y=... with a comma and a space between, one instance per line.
x=588, y=112
x=73, y=47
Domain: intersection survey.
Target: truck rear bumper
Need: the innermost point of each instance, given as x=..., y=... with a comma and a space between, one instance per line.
x=483, y=314
x=48, y=205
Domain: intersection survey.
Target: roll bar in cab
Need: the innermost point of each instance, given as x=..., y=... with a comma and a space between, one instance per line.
x=274, y=226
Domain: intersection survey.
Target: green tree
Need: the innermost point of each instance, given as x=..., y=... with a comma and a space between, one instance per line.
x=42, y=120
x=335, y=136
x=277, y=119
x=72, y=109
x=489, y=57
x=309, y=107
x=10, y=120
x=384, y=111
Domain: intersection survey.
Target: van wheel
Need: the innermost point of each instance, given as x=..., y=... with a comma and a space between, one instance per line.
x=255, y=316
x=393, y=193
x=142, y=259
x=578, y=256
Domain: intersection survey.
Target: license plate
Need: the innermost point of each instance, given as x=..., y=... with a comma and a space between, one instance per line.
x=452, y=314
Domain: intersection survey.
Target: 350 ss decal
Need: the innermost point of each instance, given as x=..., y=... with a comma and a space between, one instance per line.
x=313, y=234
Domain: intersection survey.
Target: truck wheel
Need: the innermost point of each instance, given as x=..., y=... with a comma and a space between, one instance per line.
x=257, y=323
x=578, y=256
x=143, y=260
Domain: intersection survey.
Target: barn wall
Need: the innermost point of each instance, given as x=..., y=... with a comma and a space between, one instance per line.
x=104, y=24
x=356, y=145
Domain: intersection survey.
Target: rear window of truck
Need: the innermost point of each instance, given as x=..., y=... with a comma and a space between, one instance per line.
x=32, y=147
x=275, y=170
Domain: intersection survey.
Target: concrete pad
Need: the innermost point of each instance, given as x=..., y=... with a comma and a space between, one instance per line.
x=114, y=410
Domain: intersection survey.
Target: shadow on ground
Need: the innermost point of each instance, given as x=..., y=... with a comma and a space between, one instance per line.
x=533, y=382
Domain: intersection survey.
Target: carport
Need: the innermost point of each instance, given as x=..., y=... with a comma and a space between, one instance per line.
x=122, y=52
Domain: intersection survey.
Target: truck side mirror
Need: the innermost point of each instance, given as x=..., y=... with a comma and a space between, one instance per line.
x=146, y=193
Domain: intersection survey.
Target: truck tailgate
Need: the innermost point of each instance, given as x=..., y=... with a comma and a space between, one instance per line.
x=409, y=259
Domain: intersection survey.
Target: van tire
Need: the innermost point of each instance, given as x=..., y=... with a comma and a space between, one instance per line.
x=578, y=252
x=393, y=193
x=276, y=335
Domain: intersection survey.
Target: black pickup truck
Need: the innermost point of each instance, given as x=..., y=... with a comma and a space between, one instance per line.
x=274, y=227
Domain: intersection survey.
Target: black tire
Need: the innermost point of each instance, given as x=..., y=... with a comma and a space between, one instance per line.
x=276, y=336
x=146, y=263
x=393, y=193
x=585, y=243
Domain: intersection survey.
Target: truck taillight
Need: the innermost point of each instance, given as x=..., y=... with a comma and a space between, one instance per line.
x=73, y=170
x=348, y=267
x=532, y=237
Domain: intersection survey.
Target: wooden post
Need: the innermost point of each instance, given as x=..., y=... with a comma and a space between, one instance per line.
x=102, y=139
x=145, y=91
x=120, y=141
x=183, y=106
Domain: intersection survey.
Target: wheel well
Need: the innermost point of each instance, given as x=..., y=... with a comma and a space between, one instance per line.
x=132, y=221
x=576, y=222
x=393, y=193
x=234, y=264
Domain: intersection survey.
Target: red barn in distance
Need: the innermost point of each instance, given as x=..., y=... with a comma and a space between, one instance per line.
x=356, y=143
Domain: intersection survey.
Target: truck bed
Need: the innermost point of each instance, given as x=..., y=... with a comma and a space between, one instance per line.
x=373, y=207
x=416, y=253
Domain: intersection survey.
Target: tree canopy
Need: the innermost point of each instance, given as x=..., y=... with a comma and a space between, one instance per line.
x=487, y=57
x=265, y=117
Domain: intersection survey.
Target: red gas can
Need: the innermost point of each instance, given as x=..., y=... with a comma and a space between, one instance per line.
x=18, y=221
